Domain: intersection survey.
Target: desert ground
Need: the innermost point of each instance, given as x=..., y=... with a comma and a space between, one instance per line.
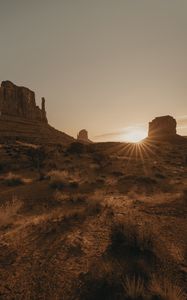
x=100, y=221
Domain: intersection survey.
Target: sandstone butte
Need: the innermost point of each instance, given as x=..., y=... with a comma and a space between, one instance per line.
x=21, y=119
x=164, y=129
x=82, y=136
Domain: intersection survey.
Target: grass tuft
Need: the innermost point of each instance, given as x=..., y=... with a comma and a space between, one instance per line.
x=133, y=288
x=163, y=289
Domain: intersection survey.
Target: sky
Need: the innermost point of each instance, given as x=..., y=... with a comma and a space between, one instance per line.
x=109, y=66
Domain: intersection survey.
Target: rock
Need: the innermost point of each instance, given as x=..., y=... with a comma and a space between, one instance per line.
x=22, y=120
x=83, y=136
x=20, y=102
x=163, y=127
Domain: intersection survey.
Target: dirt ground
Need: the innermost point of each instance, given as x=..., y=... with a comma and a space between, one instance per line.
x=59, y=210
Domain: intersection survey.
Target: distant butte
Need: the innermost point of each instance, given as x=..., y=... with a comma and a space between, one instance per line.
x=21, y=119
x=83, y=136
x=164, y=128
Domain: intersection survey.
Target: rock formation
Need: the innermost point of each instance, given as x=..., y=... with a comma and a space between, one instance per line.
x=21, y=119
x=83, y=136
x=20, y=102
x=163, y=127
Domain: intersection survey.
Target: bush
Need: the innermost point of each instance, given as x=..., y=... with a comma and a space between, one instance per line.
x=58, y=179
x=63, y=179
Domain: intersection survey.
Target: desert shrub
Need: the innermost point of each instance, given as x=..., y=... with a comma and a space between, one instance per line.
x=63, y=179
x=61, y=197
x=76, y=148
x=133, y=288
x=9, y=210
x=58, y=179
x=13, y=180
x=163, y=289
x=77, y=198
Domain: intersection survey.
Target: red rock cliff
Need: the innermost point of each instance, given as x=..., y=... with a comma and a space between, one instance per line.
x=162, y=127
x=20, y=102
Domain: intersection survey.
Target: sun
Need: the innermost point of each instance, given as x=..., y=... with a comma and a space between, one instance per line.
x=135, y=135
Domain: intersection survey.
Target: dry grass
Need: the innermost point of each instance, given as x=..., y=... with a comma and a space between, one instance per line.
x=58, y=179
x=75, y=198
x=61, y=197
x=61, y=179
x=164, y=289
x=133, y=288
x=9, y=211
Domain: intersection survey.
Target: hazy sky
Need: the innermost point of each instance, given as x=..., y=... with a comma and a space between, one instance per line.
x=103, y=65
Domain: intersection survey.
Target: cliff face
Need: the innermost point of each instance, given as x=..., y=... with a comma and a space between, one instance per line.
x=20, y=102
x=163, y=127
x=21, y=119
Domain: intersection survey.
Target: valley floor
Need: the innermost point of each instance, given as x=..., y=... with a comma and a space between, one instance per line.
x=93, y=225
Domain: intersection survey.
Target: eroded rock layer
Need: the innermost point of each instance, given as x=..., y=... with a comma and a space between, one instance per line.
x=163, y=126
x=22, y=119
x=20, y=102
